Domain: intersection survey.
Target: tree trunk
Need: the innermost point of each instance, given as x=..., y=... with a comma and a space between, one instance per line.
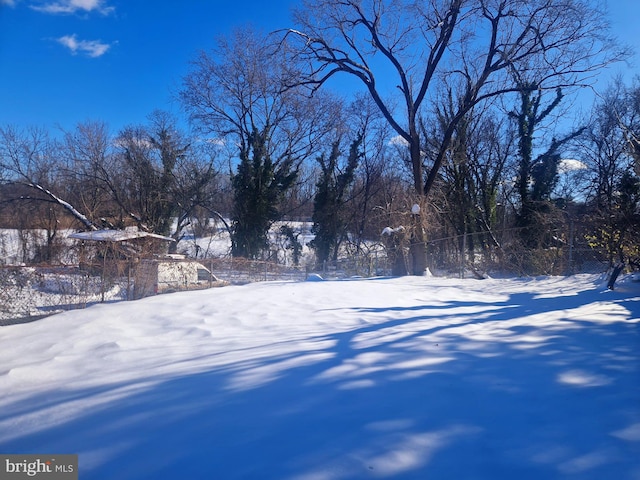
x=418, y=252
x=417, y=247
x=614, y=275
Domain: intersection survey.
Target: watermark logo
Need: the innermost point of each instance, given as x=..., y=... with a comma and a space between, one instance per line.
x=45, y=467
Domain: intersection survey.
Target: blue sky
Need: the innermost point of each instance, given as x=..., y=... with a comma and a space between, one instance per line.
x=66, y=61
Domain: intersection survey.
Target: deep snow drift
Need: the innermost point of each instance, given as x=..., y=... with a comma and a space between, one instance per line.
x=421, y=378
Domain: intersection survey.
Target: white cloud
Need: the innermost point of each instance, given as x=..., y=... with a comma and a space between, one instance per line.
x=92, y=48
x=218, y=142
x=567, y=165
x=73, y=6
x=398, y=141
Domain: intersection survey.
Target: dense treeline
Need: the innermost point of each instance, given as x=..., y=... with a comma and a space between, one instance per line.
x=461, y=145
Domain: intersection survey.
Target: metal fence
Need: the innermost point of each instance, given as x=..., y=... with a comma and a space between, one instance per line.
x=30, y=293
x=241, y=270
x=445, y=258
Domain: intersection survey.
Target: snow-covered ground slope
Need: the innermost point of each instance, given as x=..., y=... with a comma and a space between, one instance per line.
x=407, y=378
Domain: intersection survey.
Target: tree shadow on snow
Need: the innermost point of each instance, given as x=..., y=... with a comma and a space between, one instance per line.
x=527, y=388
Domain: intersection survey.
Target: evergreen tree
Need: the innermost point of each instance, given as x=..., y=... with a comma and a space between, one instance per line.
x=258, y=187
x=537, y=177
x=293, y=243
x=329, y=218
x=528, y=119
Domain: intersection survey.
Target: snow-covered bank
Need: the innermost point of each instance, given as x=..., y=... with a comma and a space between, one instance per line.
x=371, y=378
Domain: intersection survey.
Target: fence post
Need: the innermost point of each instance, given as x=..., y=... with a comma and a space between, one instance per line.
x=104, y=273
x=570, y=246
x=463, y=254
x=129, y=267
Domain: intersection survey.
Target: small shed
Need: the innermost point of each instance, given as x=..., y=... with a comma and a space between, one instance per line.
x=170, y=273
x=149, y=271
x=115, y=252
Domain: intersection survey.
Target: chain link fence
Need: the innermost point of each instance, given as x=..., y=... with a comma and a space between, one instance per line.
x=32, y=292
x=28, y=293
x=503, y=252
x=241, y=271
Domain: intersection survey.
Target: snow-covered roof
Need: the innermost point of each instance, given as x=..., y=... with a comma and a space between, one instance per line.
x=117, y=235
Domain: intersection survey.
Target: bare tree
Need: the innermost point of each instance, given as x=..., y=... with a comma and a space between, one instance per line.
x=631, y=124
x=605, y=142
x=153, y=175
x=469, y=46
x=366, y=119
x=236, y=93
x=164, y=176
x=89, y=170
x=615, y=190
x=27, y=158
x=466, y=195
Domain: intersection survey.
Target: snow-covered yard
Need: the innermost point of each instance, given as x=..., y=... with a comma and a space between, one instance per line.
x=406, y=378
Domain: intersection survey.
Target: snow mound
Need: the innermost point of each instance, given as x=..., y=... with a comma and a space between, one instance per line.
x=352, y=379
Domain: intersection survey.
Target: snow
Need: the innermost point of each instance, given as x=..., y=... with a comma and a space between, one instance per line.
x=391, y=231
x=314, y=277
x=116, y=235
x=403, y=378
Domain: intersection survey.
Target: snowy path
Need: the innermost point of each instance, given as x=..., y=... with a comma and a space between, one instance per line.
x=411, y=378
